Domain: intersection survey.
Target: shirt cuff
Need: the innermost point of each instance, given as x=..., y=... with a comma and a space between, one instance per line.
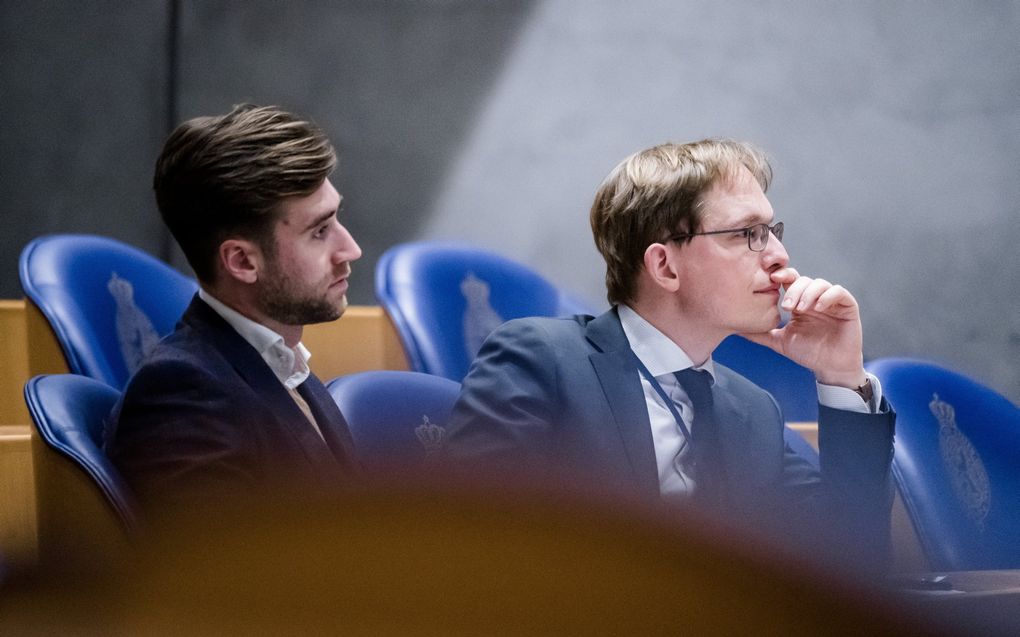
x=849, y=400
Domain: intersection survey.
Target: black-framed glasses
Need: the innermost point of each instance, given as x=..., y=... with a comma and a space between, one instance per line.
x=757, y=235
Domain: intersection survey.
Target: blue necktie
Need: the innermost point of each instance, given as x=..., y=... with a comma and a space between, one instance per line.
x=698, y=385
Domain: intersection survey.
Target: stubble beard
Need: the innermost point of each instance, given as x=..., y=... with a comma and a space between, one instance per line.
x=282, y=304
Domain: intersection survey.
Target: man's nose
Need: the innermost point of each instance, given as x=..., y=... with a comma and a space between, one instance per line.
x=347, y=248
x=774, y=255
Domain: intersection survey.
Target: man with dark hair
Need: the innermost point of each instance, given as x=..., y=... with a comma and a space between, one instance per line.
x=226, y=407
x=631, y=401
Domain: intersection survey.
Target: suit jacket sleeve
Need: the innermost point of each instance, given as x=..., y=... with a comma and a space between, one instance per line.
x=841, y=513
x=178, y=438
x=856, y=454
x=507, y=408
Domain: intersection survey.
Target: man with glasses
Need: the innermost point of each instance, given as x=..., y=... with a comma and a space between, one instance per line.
x=631, y=401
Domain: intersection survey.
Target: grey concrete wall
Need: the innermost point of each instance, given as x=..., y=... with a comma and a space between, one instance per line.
x=396, y=84
x=894, y=129
x=82, y=114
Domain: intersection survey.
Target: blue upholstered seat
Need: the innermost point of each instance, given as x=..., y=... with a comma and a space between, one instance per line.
x=69, y=411
x=108, y=303
x=397, y=419
x=957, y=464
x=792, y=385
x=445, y=298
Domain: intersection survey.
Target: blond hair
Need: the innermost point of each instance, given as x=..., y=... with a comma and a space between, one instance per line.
x=656, y=193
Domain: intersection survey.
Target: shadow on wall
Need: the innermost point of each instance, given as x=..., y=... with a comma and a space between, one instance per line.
x=396, y=85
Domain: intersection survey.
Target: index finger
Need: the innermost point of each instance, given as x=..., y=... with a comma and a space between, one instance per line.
x=784, y=276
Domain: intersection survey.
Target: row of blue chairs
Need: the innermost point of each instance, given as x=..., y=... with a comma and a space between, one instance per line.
x=107, y=302
x=956, y=444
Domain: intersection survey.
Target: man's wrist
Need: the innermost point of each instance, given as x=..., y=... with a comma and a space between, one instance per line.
x=847, y=381
x=848, y=398
x=866, y=391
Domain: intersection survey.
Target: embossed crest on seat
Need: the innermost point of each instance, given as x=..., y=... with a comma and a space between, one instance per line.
x=963, y=464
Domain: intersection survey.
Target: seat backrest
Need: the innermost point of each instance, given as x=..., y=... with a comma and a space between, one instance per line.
x=397, y=419
x=792, y=385
x=107, y=302
x=956, y=463
x=83, y=503
x=445, y=298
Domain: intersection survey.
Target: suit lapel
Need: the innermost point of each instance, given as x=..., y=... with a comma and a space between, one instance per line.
x=331, y=421
x=250, y=366
x=734, y=446
x=618, y=376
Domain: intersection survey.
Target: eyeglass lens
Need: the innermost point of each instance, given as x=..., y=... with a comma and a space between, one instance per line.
x=759, y=235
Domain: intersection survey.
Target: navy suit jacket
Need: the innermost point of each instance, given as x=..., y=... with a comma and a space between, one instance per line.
x=205, y=419
x=565, y=394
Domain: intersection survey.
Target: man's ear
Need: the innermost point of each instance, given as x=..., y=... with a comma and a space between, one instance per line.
x=662, y=267
x=241, y=260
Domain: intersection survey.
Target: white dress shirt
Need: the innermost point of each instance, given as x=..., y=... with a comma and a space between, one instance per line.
x=289, y=365
x=663, y=357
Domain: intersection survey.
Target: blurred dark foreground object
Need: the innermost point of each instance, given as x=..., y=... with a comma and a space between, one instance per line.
x=390, y=561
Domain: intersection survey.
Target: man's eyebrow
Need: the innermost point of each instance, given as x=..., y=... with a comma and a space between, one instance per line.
x=750, y=220
x=320, y=219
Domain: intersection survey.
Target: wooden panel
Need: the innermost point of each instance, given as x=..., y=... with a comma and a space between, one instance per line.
x=78, y=529
x=44, y=354
x=907, y=557
x=362, y=339
x=14, y=370
x=18, y=528
x=809, y=430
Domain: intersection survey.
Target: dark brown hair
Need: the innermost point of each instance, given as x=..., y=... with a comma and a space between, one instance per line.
x=225, y=176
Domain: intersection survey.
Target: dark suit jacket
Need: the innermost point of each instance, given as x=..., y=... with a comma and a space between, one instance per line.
x=206, y=419
x=566, y=394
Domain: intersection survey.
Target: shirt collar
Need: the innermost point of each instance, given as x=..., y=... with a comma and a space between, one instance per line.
x=289, y=365
x=653, y=348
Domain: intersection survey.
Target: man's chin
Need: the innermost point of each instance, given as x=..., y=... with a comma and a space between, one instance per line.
x=311, y=314
x=330, y=310
x=767, y=324
x=328, y=317
x=341, y=307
